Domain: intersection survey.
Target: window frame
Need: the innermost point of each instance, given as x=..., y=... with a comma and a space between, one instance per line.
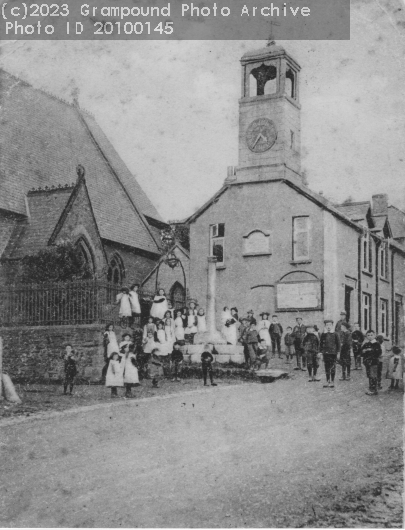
x=367, y=254
x=295, y=257
x=217, y=239
x=384, y=315
x=383, y=268
x=367, y=322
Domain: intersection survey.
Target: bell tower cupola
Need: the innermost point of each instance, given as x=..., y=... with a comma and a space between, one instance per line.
x=269, y=115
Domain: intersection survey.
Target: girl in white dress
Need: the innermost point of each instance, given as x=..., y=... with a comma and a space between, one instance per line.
x=201, y=322
x=191, y=328
x=169, y=328
x=170, y=308
x=192, y=305
x=114, y=377
x=148, y=343
x=126, y=342
x=178, y=326
x=162, y=343
x=129, y=369
x=124, y=302
x=110, y=341
x=134, y=299
x=149, y=327
x=263, y=328
x=159, y=306
x=229, y=328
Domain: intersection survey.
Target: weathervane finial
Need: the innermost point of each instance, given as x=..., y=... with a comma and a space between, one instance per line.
x=270, y=40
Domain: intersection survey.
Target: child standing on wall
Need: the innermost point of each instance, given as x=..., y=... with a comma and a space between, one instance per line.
x=124, y=301
x=70, y=369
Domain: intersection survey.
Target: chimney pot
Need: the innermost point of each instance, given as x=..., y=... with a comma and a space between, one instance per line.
x=380, y=204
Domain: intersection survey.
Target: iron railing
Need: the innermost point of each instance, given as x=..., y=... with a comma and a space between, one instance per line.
x=52, y=304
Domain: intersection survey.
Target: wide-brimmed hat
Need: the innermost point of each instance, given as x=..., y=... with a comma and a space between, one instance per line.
x=396, y=350
x=250, y=311
x=328, y=320
x=265, y=313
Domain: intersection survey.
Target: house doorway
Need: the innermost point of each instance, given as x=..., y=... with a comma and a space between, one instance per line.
x=348, y=301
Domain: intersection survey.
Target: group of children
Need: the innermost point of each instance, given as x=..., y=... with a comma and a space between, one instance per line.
x=309, y=346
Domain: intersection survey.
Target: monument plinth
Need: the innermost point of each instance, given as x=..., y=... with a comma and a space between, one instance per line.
x=226, y=352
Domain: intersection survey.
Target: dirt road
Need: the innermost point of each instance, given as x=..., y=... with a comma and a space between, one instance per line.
x=284, y=454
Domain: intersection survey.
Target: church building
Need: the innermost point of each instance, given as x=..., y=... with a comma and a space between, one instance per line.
x=282, y=248
x=45, y=200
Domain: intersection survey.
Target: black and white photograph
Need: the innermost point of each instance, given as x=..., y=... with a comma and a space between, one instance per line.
x=202, y=267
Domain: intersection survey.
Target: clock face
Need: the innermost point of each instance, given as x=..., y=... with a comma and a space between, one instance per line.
x=261, y=135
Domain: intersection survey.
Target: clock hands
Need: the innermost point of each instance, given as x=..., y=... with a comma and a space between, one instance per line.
x=259, y=136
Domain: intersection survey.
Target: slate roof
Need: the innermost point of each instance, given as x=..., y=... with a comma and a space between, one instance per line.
x=356, y=211
x=32, y=234
x=396, y=219
x=43, y=139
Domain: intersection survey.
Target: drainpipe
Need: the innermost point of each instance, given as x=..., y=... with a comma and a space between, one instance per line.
x=377, y=284
x=359, y=279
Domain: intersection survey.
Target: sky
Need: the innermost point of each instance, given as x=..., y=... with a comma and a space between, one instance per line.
x=170, y=108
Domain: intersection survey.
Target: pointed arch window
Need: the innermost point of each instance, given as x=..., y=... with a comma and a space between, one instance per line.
x=116, y=270
x=83, y=246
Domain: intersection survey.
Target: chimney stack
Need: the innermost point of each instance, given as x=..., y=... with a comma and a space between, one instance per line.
x=380, y=204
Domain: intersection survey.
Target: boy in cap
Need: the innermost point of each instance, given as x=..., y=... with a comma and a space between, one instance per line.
x=371, y=351
x=250, y=317
x=345, y=350
x=289, y=345
x=252, y=339
x=310, y=344
x=206, y=361
x=299, y=332
x=243, y=330
x=357, y=341
x=276, y=332
x=338, y=327
x=262, y=354
x=330, y=348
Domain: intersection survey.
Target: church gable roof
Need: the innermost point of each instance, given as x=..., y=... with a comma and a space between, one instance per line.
x=43, y=139
x=32, y=234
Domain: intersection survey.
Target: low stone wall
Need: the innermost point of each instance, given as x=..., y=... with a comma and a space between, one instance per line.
x=35, y=353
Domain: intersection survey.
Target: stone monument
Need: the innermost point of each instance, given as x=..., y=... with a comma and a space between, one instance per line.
x=226, y=352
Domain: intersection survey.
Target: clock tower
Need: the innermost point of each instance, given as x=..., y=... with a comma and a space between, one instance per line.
x=269, y=116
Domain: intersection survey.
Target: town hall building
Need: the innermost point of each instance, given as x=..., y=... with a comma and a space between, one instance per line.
x=282, y=248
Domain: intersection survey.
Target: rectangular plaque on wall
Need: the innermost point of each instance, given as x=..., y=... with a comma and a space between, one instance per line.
x=292, y=296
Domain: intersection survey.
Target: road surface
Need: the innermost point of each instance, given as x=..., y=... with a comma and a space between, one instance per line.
x=280, y=454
